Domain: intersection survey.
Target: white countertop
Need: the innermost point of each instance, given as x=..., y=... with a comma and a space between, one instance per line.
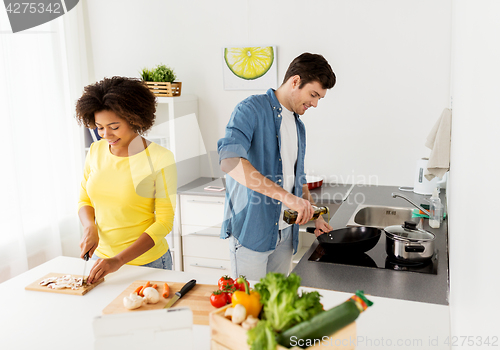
x=39, y=320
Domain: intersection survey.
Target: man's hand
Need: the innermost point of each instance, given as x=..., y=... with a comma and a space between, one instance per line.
x=321, y=226
x=303, y=208
x=243, y=172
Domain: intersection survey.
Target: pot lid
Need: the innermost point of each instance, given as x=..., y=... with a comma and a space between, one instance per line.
x=409, y=231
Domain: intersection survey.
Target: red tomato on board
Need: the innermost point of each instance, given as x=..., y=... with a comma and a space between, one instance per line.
x=218, y=299
x=225, y=281
x=228, y=292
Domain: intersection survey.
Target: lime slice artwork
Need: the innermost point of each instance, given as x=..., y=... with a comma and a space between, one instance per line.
x=249, y=63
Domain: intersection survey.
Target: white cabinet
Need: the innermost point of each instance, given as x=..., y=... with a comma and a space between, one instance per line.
x=202, y=210
x=202, y=249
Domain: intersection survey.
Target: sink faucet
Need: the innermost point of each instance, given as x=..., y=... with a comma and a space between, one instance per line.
x=394, y=195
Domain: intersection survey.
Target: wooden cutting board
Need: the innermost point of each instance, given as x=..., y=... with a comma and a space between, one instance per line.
x=80, y=291
x=197, y=299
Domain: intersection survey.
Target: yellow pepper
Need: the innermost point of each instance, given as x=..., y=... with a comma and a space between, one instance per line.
x=249, y=299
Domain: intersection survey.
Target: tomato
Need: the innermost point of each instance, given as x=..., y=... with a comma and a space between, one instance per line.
x=218, y=299
x=228, y=292
x=240, y=286
x=225, y=281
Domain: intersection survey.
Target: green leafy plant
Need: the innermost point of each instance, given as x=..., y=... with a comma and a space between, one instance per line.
x=146, y=74
x=161, y=73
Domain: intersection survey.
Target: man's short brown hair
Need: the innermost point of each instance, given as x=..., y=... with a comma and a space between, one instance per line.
x=311, y=67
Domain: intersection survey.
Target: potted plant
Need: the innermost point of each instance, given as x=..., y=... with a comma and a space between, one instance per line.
x=161, y=81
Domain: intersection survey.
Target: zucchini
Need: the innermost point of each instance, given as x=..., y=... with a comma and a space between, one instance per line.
x=325, y=323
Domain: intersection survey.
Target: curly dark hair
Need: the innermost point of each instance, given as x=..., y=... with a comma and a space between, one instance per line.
x=129, y=98
x=311, y=67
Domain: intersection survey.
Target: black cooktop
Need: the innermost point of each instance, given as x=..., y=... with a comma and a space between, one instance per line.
x=376, y=258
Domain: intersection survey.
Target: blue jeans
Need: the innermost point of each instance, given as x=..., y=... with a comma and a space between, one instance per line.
x=255, y=265
x=163, y=262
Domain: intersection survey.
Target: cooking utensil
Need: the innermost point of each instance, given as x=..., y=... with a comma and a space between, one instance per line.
x=313, y=181
x=85, y=258
x=408, y=243
x=349, y=240
x=186, y=288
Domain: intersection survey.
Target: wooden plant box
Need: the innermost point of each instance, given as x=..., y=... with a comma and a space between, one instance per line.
x=165, y=89
x=228, y=336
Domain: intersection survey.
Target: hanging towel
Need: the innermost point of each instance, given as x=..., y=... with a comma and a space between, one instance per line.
x=439, y=142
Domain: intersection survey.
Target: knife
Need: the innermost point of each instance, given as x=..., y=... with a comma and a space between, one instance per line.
x=186, y=288
x=86, y=258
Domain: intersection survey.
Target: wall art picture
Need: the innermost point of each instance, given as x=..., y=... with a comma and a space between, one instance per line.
x=250, y=68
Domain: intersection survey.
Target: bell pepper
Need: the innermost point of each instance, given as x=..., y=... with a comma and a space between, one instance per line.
x=249, y=299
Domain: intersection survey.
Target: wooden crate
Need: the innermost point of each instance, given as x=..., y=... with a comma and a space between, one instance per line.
x=165, y=89
x=228, y=336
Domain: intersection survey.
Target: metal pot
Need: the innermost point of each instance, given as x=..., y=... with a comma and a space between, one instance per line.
x=408, y=243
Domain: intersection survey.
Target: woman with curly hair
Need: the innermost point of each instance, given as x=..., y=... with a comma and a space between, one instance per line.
x=127, y=195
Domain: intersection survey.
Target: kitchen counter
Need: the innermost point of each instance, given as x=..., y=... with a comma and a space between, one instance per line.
x=405, y=285
x=197, y=186
x=42, y=320
x=329, y=193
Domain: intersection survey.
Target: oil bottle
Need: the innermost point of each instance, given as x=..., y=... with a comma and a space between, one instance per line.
x=289, y=215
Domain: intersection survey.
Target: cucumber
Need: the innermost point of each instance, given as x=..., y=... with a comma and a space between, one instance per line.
x=323, y=324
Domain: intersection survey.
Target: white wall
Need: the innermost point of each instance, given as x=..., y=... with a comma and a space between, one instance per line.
x=473, y=187
x=391, y=58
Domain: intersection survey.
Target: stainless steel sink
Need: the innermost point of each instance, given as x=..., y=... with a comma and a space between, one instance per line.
x=380, y=216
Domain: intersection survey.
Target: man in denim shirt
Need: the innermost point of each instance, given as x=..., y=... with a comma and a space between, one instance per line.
x=263, y=154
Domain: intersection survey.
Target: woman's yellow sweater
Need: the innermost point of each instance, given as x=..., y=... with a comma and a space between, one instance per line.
x=130, y=196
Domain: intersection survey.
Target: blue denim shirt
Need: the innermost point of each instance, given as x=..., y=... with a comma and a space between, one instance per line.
x=253, y=133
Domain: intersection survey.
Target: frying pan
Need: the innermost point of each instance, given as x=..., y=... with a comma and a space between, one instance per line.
x=349, y=240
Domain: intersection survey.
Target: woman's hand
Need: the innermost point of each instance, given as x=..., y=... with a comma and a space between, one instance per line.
x=321, y=226
x=102, y=267
x=90, y=240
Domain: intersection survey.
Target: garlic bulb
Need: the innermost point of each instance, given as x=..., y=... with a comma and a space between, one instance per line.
x=133, y=301
x=151, y=295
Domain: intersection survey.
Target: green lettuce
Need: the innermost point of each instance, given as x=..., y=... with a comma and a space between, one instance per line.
x=262, y=337
x=283, y=308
